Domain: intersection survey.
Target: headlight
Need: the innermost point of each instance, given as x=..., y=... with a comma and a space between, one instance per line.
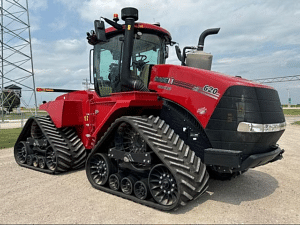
x=255, y=127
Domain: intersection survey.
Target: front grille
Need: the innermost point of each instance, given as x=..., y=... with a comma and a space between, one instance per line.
x=245, y=104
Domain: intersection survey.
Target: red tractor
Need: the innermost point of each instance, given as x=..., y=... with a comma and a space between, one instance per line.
x=152, y=132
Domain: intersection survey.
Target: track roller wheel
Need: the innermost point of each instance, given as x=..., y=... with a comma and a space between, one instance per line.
x=127, y=184
x=51, y=159
x=29, y=160
x=42, y=162
x=141, y=189
x=115, y=181
x=21, y=152
x=163, y=185
x=35, y=160
x=99, y=168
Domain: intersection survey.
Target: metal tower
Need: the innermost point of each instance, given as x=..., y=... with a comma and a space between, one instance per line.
x=16, y=54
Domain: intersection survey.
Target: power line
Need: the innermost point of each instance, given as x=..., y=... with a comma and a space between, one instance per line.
x=278, y=79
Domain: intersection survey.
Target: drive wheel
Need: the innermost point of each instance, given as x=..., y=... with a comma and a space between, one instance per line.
x=99, y=168
x=163, y=186
x=51, y=159
x=21, y=152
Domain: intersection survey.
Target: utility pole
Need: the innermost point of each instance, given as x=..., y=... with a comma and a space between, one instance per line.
x=289, y=99
x=16, y=53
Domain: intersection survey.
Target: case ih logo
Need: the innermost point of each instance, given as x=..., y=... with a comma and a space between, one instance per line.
x=207, y=90
x=165, y=80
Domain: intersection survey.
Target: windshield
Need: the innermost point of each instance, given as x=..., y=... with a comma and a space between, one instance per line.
x=148, y=49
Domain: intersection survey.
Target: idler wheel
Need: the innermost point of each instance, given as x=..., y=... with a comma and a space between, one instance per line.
x=21, y=152
x=42, y=162
x=163, y=185
x=115, y=181
x=35, y=160
x=141, y=189
x=51, y=158
x=127, y=184
x=99, y=168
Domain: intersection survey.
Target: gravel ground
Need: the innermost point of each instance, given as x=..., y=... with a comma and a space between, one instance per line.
x=268, y=194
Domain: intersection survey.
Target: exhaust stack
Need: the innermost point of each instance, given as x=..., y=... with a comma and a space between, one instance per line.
x=198, y=58
x=128, y=83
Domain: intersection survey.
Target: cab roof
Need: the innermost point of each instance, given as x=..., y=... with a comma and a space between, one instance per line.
x=146, y=27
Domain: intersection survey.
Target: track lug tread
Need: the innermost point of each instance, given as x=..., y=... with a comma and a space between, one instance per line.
x=68, y=157
x=174, y=158
x=187, y=195
x=179, y=165
x=168, y=152
x=181, y=145
x=171, y=134
x=192, y=157
x=156, y=120
x=166, y=129
x=188, y=185
x=176, y=139
x=76, y=142
x=143, y=123
x=162, y=123
x=186, y=167
x=150, y=133
x=187, y=150
x=176, y=155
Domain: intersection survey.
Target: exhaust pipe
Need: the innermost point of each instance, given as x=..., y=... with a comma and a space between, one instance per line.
x=204, y=35
x=128, y=83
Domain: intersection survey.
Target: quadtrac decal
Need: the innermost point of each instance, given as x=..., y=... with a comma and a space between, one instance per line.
x=207, y=90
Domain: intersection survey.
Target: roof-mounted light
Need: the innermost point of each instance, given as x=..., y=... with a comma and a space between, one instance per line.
x=116, y=17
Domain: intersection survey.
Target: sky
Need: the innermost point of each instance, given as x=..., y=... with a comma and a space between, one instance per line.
x=258, y=39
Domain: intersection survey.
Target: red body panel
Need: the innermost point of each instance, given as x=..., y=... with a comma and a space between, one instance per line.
x=185, y=87
x=92, y=115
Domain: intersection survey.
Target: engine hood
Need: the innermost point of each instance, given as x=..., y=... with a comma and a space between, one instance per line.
x=197, y=90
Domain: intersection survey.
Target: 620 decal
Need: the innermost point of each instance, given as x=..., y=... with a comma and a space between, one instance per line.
x=210, y=89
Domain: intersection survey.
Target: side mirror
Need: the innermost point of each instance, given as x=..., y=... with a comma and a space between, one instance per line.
x=100, y=30
x=178, y=53
x=167, y=52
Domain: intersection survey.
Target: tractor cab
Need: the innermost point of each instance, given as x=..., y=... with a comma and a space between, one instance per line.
x=124, y=54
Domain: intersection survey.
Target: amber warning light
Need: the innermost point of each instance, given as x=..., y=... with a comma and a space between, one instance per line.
x=116, y=17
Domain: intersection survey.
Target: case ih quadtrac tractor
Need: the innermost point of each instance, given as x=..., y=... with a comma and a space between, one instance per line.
x=152, y=132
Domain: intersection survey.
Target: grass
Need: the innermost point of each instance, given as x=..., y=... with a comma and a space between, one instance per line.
x=8, y=137
x=291, y=112
x=296, y=123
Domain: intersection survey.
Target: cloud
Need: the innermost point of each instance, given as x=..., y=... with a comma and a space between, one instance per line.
x=37, y=4
x=59, y=24
x=258, y=39
x=70, y=46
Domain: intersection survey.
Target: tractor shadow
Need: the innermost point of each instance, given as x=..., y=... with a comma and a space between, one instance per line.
x=249, y=186
x=70, y=172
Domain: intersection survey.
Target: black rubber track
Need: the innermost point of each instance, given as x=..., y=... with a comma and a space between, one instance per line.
x=188, y=170
x=70, y=152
